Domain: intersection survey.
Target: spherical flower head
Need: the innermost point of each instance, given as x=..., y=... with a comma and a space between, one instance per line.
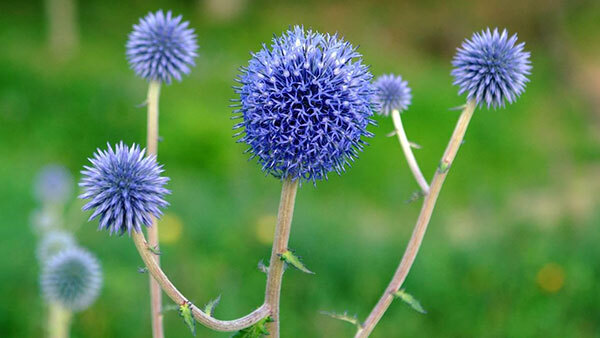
x=72, y=278
x=491, y=68
x=305, y=102
x=392, y=93
x=161, y=47
x=53, y=243
x=125, y=188
x=53, y=184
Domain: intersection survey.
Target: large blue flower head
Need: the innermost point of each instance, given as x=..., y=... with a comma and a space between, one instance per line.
x=161, y=47
x=125, y=188
x=72, y=278
x=392, y=93
x=305, y=104
x=491, y=68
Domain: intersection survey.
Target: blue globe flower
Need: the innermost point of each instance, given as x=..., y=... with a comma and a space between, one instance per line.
x=72, y=278
x=161, y=47
x=491, y=68
x=305, y=102
x=392, y=93
x=125, y=188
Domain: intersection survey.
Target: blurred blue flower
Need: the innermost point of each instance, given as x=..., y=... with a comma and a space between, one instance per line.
x=161, y=47
x=491, y=68
x=125, y=188
x=72, y=278
x=305, y=102
x=53, y=243
x=53, y=184
x=392, y=93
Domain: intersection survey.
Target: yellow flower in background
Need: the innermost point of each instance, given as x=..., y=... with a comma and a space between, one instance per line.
x=265, y=226
x=170, y=228
x=551, y=277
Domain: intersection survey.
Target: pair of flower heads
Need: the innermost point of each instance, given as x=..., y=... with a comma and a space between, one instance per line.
x=305, y=103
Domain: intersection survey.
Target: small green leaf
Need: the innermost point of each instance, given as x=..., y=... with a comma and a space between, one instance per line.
x=416, y=195
x=209, y=308
x=344, y=317
x=414, y=145
x=155, y=250
x=262, y=267
x=294, y=261
x=185, y=311
x=255, y=331
x=444, y=167
x=410, y=300
x=142, y=269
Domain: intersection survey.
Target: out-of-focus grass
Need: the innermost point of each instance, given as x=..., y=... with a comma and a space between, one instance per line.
x=512, y=249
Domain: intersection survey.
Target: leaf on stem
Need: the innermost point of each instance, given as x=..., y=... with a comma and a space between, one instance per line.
x=410, y=300
x=294, y=261
x=416, y=195
x=255, y=331
x=414, y=145
x=344, y=317
x=142, y=269
x=209, y=308
x=185, y=311
x=154, y=250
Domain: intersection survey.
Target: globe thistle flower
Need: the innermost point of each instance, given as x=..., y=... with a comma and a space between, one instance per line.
x=53, y=243
x=53, y=184
x=491, y=68
x=305, y=104
x=72, y=279
x=161, y=47
x=125, y=188
x=392, y=93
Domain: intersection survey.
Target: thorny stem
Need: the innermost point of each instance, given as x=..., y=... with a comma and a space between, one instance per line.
x=419, y=231
x=410, y=157
x=59, y=321
x=152, y=149
x=280, y=242
x=219, y=325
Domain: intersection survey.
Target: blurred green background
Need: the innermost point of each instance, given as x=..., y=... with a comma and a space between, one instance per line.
x=512, y=250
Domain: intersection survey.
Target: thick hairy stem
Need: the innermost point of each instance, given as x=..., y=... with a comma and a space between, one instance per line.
x=152, y=149
x=163, y=281
x=280, y=242
x=410, y=157
x=419, y=231
x=59, y=321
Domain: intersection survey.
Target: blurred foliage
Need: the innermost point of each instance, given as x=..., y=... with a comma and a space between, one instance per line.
x=512, y=248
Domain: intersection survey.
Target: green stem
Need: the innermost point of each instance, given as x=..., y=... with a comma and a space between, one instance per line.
x=59, y=321
x=419, y=231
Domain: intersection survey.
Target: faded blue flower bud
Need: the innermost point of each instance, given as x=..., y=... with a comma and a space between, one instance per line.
x=305, y=102
x=161, y=47
x=391, y=93
x=125, y=188
x=491, y=68
x=72, y=278
x=53, y=243
x=53, y=184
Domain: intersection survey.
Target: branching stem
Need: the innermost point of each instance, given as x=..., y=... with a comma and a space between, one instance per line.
x=280, y=243
x=410, y=157
x=419, y=231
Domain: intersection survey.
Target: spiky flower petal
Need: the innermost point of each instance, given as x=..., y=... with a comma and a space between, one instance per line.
x=53, y=184
x=305, y=104
x=161, y=47
x=72, y=278
x=491, y=68
x=392, y=93
x=125, y=188
x=53, y=243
